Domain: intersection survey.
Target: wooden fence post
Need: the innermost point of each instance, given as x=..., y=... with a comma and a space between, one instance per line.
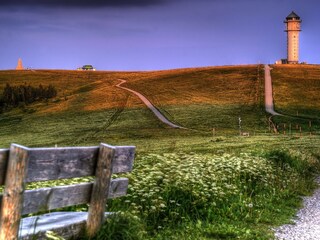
x=300, y=131
x=290, y=129
x=100, y=189
x=310, y=127
x=12, y=199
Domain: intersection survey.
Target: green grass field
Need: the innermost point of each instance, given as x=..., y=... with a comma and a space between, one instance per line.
x=90, y=109
x=254, y=183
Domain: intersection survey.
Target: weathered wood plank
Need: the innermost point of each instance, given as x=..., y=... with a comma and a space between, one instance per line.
x=65, y=224
x=59, y=163
x=12, y=199
x=123, y=159
x=118, y=188
x=45, y=199
x=100, y=187
x=4, y=155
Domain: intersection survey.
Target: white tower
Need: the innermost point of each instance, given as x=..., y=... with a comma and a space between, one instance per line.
x=293, y=28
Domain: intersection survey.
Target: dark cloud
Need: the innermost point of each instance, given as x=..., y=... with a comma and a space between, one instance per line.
x=82, y=3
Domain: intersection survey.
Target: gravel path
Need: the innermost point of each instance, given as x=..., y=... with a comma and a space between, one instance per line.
x=306, y=225
x=149, y=105
x=307, y=222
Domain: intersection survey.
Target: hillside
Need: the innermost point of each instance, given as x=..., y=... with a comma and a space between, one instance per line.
x=208, y=98
x=296, y=93
x=89, y=107
x=192, y=183
x=296, y=89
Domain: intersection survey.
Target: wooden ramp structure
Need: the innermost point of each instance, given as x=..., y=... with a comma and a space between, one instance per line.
x=20, y=165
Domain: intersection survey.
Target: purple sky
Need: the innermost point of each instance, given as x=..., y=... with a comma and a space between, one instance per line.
x=152, y=34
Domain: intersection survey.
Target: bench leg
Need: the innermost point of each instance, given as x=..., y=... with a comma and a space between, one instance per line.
x=12, y=199
x=100, y=189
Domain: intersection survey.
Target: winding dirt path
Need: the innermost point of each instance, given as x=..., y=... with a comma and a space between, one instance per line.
x=269, y=106
x=156, y=112
x=268, y=91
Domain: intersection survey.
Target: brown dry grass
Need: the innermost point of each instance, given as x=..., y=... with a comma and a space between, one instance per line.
x=212, y=85
x=297, y=88
x=200, y=98
x=91, y=91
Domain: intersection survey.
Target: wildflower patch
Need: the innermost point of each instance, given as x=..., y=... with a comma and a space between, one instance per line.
x=168, y=188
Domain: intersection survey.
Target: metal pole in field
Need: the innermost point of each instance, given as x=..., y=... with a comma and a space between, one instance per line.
x=240, y=126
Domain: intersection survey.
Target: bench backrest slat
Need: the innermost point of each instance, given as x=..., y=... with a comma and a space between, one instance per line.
x=69, y=162
x=45, y=199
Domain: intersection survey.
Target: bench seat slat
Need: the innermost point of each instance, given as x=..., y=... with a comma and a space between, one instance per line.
x=65, y=224
x=45, y=199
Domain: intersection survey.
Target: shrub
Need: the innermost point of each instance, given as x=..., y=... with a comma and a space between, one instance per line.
x=121, y=226
x=22, y=95
x=167, y=189
x=284, y=159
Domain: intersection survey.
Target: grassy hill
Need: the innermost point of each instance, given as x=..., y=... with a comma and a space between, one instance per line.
x=296, y=93
x=215, y=97
x=200, y=99
x=89, y=108
x=186, y=183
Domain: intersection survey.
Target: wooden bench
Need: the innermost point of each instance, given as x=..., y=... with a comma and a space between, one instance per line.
x=20, y=165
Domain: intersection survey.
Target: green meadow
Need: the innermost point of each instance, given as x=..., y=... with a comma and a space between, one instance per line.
x=202, y=182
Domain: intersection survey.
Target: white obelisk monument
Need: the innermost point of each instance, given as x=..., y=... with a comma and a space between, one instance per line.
x=19, y=65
